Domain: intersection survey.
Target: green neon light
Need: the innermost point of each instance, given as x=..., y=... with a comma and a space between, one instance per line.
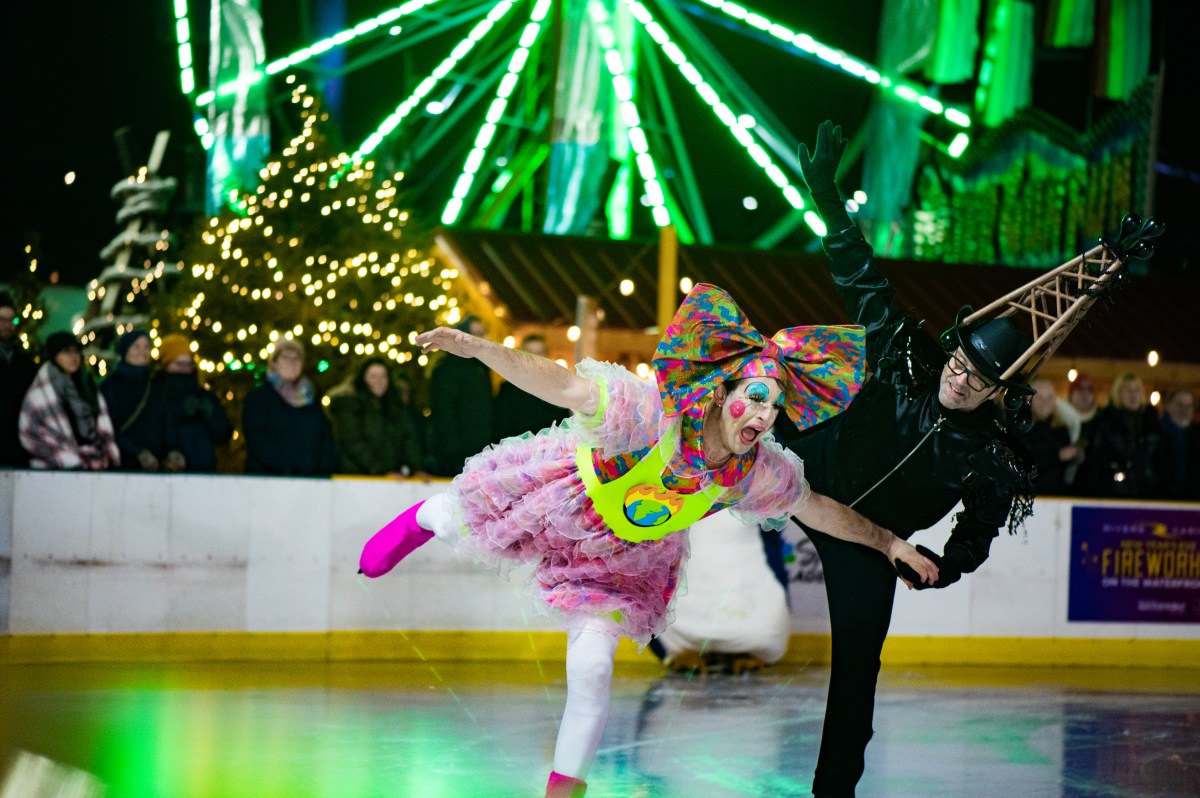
x=839, y=59
x=958, y=145
x=629, y=114
x=313, y=50
x=720, y=109
x=183, y=38
x=495, y=112
x=618, y=207
x=427, y=85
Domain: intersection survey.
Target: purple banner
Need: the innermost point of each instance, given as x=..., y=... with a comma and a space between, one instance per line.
x=1135, y=564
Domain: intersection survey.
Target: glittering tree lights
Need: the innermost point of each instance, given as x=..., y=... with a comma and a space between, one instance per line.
x=320, y=252
x=135, y=259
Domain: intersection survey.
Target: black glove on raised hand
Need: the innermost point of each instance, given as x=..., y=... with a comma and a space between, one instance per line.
x=820, y=175
x=948, y=572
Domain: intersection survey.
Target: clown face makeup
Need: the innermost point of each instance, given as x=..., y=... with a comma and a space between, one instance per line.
x=746, y=413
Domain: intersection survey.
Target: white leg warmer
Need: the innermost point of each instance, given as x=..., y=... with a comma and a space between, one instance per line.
x=434, y=515
x=590, y=653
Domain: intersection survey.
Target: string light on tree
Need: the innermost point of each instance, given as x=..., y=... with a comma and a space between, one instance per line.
x=321, y=251
x=135, y=259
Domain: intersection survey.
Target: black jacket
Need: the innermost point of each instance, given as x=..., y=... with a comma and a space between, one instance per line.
x=951, y=456
x=284, y=440
x=16, y=375
x=200, y=420
x=461, y=405
x=1124, y=456
x=374, y=435
x=137, y=404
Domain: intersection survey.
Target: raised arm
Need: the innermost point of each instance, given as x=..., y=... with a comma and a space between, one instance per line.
x=531, y=373
x=834, y=518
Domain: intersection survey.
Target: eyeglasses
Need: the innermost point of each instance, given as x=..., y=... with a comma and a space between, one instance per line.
x=975, y=380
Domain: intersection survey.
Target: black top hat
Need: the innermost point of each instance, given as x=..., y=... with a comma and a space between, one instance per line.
x=992, y=346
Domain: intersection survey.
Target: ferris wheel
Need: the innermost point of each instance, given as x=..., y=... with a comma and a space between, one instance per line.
x=569, y=117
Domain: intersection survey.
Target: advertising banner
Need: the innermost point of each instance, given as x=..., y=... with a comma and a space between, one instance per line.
x=1135, y=565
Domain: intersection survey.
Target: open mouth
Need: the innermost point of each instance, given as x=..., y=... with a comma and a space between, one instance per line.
x=749, y=435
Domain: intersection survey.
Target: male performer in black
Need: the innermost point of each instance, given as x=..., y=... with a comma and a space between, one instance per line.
x=922, y=435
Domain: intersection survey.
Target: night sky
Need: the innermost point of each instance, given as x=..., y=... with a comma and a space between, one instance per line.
x=82, y=74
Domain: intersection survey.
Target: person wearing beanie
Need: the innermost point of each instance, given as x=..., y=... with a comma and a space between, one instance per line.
x=287, y=431
x=1082, y=396
x=138, y=403
x=197, y=416
x=64, y=421
x=17, y=371
x=174, y=347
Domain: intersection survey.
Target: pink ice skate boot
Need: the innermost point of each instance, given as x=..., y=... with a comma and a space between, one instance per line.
x=387, y=547
x=560, y=786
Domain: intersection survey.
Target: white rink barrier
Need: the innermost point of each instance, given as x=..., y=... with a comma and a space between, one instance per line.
x=104, y=553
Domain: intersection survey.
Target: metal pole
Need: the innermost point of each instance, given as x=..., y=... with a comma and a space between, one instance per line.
x=668, y=277
x=588, y=322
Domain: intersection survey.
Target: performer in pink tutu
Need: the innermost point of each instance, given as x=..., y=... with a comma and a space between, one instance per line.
x=600, y=505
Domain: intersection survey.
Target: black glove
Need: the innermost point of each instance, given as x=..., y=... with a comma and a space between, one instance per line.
x=948, y=572
x=820, y=175
x=820, y=168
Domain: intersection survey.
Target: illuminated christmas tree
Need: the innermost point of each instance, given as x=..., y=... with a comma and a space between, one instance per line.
x=321, y=252
x=118, y=300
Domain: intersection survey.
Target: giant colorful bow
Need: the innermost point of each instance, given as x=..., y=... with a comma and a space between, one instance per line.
x=710, y=341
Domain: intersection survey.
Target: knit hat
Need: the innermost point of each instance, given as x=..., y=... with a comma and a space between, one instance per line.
x=127, y=340
x=1082, y=381
x=173, y=346
x=57, y=342
x=286, y=344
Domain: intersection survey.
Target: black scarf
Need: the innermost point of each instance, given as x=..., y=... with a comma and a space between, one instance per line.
x=78, y=396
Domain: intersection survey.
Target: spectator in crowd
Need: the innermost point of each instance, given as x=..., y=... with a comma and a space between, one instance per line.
x=137, y=403
x=64, y=420
x=1123, y=450
x=1050, y=440
x=1082, y=396
x=1180, y=478
x=417, y=419
x=287, y=431
x=17, y=370
x=200, y=422
x=460, y=401
x=371, y=425
x=519, y=412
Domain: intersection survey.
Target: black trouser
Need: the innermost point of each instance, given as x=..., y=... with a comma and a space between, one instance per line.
x=861, y=585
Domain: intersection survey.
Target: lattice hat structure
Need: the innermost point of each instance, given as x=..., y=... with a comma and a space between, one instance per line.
x=1052, y=304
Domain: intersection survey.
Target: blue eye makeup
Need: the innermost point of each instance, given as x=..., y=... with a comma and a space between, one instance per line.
x=757, y=392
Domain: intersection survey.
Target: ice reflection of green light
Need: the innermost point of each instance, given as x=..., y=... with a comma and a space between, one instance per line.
x=203, y=744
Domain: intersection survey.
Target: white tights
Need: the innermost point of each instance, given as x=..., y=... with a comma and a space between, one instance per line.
x=591, y=650
x=434, y=515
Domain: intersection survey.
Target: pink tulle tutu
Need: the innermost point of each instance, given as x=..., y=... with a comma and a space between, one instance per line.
x=522, y=501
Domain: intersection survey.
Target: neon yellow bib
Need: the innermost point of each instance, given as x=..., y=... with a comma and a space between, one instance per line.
x=636, y=506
